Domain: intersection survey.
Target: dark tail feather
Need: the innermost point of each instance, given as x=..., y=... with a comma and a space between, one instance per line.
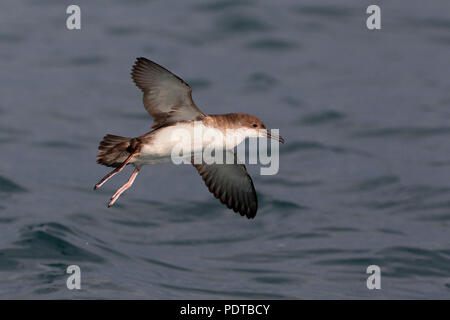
x=114, y=150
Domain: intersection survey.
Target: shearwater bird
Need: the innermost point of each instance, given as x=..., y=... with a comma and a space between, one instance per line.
x=167, y=98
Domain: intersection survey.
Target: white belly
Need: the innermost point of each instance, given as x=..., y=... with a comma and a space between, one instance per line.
x=187, y=139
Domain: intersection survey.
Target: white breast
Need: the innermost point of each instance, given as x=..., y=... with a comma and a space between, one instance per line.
x=191, y=136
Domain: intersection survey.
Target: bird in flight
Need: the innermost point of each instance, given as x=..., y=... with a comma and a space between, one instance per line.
x=168, y=100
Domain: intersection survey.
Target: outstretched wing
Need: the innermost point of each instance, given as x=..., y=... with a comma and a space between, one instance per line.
x=232, y=185
x=167, y=98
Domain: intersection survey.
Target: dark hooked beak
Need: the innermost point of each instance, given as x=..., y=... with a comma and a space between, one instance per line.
x=274, y=137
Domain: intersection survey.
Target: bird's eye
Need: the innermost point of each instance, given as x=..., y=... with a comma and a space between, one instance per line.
x=255, y=125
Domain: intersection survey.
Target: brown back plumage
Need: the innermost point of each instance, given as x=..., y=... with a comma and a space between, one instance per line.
x=233, y=120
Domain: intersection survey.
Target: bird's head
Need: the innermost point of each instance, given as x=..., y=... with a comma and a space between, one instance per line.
x=256, y=128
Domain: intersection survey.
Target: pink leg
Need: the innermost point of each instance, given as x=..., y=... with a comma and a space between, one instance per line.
x=124, y=187
x=114, y=172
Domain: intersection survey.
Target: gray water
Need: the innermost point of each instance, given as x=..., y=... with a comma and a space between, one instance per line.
x=364, y=175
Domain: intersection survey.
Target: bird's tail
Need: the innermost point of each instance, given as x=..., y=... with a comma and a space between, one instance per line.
x=114, y=150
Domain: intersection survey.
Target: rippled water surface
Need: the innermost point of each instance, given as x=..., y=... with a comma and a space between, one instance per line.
x=364, y=175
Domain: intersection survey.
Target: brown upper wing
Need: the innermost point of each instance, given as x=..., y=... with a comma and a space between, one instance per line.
x=167, y=98
x=232, y=185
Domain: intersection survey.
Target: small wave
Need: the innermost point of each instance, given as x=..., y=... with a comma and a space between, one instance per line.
x=408, y=199
x=283, y=255
x=165, y=264
x=294, y=147
x=87, y=60
x=224, y=292
x=272, y=44
x=432, y=23
x=260, y=82
x=299, y=235
x=337, y=229
x=376, y=183
x=292, y=101
x=414, y=261
x=405, y=132
x=46, y=241
x=134, y=224
x=279, y=206
x=5, y=220
x=10, y=38
x=322, y=117
x=60, y=144
x=236, y=24
x=199, y=83
x=222, y=5
x=440, y=163
x=8, y=186
x=440, y=217
x=274, y=280
x=328, y=11
x=289, y=183
x=122, y=30
x=203, y=241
